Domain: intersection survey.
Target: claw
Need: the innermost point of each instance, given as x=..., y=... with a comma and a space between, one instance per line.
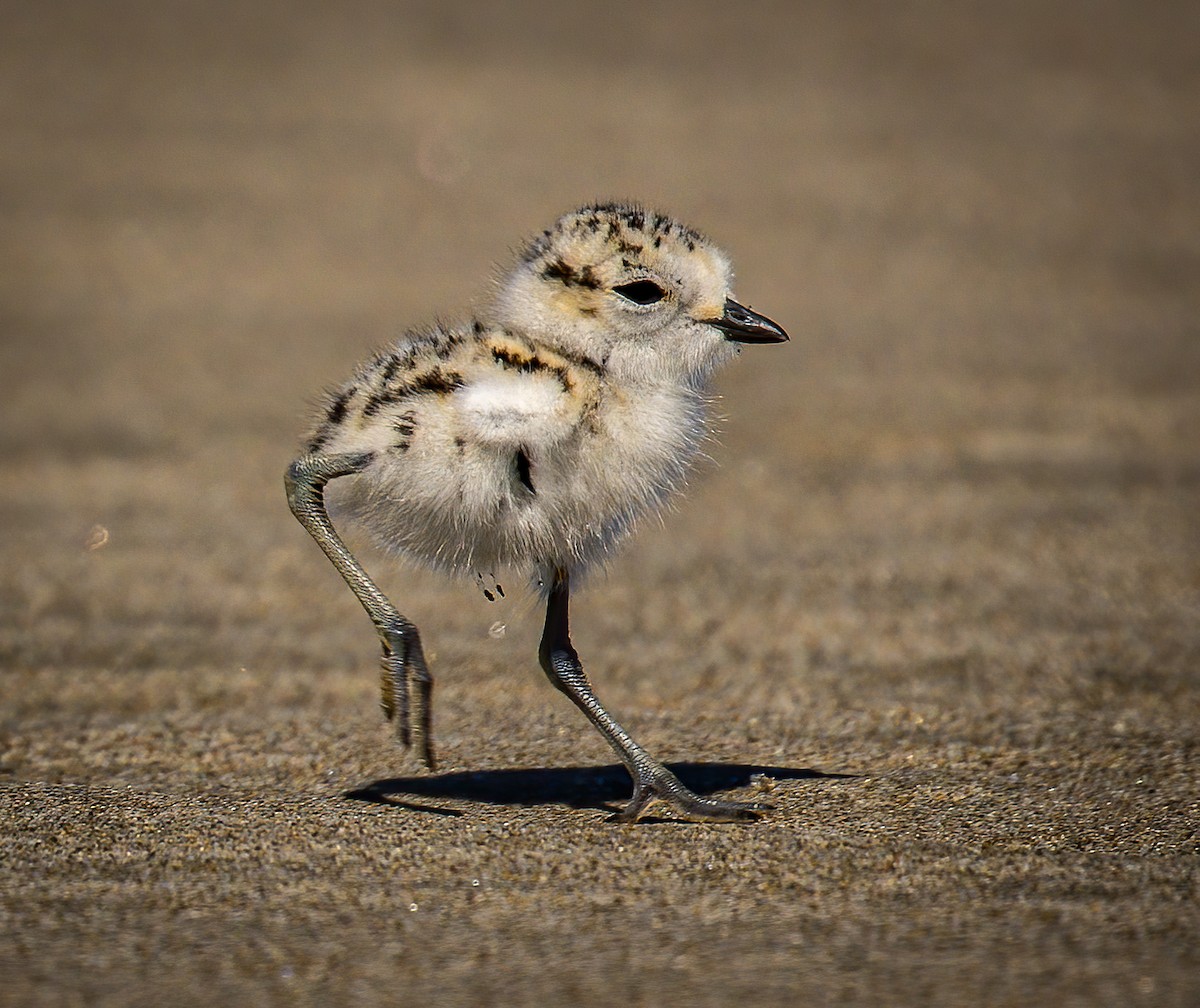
x=643, y=795
x=691, y=806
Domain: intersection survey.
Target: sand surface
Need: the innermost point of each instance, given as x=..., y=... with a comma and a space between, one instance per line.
x=941, y=587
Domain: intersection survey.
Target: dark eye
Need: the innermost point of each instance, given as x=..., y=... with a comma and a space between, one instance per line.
x=643, y=292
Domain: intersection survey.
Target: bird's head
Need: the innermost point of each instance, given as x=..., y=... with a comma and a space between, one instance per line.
x=637, y=290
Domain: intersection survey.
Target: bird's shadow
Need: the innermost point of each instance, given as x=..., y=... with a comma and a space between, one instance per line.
x=579, y=787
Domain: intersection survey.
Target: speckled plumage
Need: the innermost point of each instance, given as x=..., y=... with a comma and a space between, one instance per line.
x=536, y=433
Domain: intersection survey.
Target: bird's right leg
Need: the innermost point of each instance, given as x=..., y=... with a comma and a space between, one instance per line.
x=651, y=780
x=403, y=660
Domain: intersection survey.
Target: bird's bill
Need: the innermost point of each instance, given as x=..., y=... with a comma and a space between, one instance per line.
x=742, y=325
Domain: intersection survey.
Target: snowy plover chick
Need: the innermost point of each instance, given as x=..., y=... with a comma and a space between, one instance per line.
x=534, y=434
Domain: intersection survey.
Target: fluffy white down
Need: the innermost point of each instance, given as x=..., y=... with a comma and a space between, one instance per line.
x=468, y=512
x=509, y=410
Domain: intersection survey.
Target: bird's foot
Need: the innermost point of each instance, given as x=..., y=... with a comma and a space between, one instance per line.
x=411, y=720
x=658, y=783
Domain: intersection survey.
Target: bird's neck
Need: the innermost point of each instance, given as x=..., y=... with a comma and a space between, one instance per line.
x=642, y=365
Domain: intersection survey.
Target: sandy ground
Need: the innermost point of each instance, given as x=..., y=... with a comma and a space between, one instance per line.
x=942, y=587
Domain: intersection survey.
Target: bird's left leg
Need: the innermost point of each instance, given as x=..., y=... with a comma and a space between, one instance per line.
x=651, y=779
x=403, y=658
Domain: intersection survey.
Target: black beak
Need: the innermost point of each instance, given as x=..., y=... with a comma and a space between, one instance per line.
x=742, y=325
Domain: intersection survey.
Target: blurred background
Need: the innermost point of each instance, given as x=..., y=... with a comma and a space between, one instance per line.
x=979, y=222
x=961, y=504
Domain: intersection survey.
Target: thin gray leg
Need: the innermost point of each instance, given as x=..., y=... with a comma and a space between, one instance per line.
x=403, y=660
x=651, y=779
